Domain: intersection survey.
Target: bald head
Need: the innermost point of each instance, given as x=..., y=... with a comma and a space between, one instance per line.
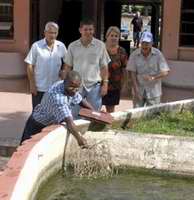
x=72, y=83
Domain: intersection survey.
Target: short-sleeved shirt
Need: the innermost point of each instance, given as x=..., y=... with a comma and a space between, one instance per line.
x=154, y=64
x=47, y=63
x=137, y=24
x=55, y=105
x=88, y=60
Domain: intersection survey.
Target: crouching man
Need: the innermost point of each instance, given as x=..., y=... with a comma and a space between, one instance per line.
x=56, y=106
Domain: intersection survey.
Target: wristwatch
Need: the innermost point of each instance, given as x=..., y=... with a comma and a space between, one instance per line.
x=105, y=81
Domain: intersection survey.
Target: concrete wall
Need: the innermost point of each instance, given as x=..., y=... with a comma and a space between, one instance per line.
x=170, y=32
x=20, y=43
x=12, y=65
x=35, y=161
x=186, y=54
x=13, y=51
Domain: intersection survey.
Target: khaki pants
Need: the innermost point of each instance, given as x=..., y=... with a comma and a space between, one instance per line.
x=146, y=102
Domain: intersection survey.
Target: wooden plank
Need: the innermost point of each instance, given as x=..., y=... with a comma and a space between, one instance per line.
x=101, y=117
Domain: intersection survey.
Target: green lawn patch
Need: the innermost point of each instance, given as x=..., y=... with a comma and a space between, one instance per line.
x=179, y=124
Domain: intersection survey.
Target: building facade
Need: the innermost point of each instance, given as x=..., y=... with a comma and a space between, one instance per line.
x=22, y=22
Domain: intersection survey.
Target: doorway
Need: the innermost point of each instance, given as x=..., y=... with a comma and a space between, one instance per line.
x=69, y=19
x=115, y=12
x=67, y=14
x=34, y=20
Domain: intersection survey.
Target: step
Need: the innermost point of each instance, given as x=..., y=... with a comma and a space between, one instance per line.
x=8, y=146
x=14, y=85
x=3, y=162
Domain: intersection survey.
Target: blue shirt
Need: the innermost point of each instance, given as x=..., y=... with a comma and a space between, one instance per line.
x=55, y=105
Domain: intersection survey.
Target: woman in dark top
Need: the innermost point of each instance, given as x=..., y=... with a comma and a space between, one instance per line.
x=118, y=62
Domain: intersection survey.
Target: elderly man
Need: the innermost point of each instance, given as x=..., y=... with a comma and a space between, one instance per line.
x=56, y=106
x=89, y=57
x=147, y=66
x=44, y=62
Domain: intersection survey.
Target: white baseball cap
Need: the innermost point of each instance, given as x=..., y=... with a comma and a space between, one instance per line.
x=146, y=37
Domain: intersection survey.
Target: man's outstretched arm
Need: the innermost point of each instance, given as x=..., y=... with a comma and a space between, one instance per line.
x=73, y=130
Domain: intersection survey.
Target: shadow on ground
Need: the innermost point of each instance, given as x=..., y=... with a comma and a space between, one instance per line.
x=11, y=127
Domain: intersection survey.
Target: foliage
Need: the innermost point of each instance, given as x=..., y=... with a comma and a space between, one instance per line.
x=180, y=124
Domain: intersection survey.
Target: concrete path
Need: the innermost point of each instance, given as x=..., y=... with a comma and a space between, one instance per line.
x=15, y=107
x=14, y=110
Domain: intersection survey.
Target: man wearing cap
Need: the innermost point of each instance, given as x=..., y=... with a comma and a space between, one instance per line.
x=147, y=66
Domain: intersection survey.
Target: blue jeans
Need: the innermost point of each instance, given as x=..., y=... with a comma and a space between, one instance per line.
x=136, y=36
x=93, y=97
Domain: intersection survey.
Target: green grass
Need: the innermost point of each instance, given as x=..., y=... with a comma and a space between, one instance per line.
x=179, y=124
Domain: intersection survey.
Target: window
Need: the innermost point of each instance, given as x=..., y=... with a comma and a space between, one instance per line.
x=6, y=19
x=187, y=23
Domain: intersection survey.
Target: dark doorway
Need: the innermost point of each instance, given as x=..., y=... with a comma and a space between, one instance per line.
x=113, y=14
x=71, y=14
x=112, y=17
x=34, y=20
x=67, y=13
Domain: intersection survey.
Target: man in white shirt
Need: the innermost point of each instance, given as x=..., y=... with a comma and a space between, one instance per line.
x=89, y=57
x=44, y=62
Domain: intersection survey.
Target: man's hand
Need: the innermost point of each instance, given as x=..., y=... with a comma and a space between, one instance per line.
x=33, y=89
x=31, y=77
x=82, y=142
x=104, y=89
x=86, y=104
x=148, y=78
x=161, y=75
x=136, y=95
x=73, y=130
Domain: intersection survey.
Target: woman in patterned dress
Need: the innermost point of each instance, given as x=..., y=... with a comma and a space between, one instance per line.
x=116, y=67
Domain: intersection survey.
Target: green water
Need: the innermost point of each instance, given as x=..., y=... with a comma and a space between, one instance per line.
x=130, y=186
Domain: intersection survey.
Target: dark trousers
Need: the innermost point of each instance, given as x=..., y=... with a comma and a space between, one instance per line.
x=37, y=99
x=32, y=127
